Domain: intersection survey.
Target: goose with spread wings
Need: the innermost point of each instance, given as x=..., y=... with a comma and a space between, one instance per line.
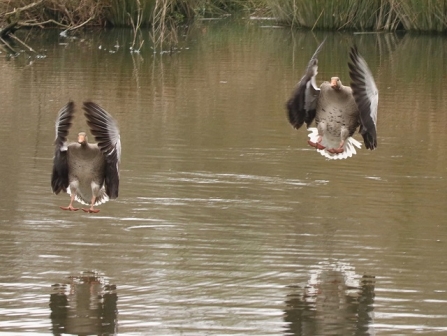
x=338, y=110
x=88, y=172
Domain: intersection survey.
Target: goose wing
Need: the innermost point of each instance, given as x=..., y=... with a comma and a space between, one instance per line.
x=59, y=177
x=366, y=96
x=302, y=105
x=105, y=130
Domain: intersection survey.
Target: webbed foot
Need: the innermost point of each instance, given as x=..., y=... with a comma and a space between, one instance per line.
x=317, y=145
x=91, y=210
x=336, y=150
x=69, y=208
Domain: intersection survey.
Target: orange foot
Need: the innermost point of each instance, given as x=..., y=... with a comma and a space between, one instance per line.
x=69, y=208
x=336, y=150
x=317, y=145
x=90, y=210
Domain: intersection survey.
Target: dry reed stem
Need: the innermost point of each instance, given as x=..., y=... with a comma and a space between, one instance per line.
x=164, y=28
x=136, y=28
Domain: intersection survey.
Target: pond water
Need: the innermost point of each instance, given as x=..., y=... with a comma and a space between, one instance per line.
x=227, y=223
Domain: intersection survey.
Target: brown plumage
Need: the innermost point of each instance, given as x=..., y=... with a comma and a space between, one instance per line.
x=338, y=110
x=88, y=172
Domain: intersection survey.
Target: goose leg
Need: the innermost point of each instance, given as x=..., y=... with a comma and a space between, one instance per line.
x=91, y=209
x=321, y=129
x=70, y=206
x=95, y=192
x=317, y=144
x=338, y=150
x=73, y=190
x=344, y=135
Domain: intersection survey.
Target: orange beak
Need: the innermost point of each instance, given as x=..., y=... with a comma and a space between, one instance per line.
x=333, y=83
x=81, y=138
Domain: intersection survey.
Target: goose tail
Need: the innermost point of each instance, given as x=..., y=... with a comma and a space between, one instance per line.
x=101, y=199
x=349, y=146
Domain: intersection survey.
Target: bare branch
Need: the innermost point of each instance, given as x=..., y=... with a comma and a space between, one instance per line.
x=20, y=41
x=7, y=44
x=24, y=8
x=82, y=24
x=33, y=23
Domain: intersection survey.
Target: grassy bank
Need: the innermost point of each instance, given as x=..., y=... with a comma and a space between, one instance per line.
x=377, y=15
x=364, y=15
x=115, y=12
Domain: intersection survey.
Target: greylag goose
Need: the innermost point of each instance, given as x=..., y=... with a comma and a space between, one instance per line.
x=337, y=109
x=88, y=172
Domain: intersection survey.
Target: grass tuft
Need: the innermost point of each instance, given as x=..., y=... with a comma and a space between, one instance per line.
x=365, y=15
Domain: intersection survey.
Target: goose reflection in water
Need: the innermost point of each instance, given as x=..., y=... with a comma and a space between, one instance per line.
x=84, y=306
x=335, y=301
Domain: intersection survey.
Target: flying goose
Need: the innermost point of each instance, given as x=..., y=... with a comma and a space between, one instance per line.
x=337, y=109
x=88, y=172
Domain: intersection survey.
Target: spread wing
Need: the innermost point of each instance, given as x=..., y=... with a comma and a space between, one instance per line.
x=105, y=130
x=366, y=96
x=59, y=177
x=302, y=105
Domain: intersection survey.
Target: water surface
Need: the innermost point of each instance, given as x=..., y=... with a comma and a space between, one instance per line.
x=227, y=222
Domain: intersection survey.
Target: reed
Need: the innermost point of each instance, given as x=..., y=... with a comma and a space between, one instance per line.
x=121, y=13
x=388, y=15
x=427, y=15
x=324, y=14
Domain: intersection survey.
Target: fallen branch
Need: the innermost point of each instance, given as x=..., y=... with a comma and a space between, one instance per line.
x=82, y=24
x=8, y=29
x=18, y=10
x=21, y=42
x=7, y=44
x=40, y=24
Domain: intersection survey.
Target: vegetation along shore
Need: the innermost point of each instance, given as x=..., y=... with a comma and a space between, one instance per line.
x=164, y=16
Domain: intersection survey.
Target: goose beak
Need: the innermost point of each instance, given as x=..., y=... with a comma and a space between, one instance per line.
x=334, y=84
x=81, y=138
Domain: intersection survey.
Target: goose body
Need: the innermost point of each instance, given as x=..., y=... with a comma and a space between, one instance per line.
x=88, y=172
x=338, y=110
x=86, y=164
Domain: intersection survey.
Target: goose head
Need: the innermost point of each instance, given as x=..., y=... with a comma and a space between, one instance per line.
x=336, y=83
x=82, y=138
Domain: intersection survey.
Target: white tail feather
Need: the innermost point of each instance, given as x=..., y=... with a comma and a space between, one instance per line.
x=103, y=198
x=348, y=148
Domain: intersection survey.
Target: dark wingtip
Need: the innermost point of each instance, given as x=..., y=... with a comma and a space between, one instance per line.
x=370, y=140
x=314, y=56
x=353, y=57
x=70, y=105
x=292, y=115
x=88, y=102
x=87, y=105
x=64, y=122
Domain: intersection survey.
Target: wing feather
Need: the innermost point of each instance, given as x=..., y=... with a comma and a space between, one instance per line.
x=301, y=106
x=105, y=130
x=366, y=96
x=59, y=176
